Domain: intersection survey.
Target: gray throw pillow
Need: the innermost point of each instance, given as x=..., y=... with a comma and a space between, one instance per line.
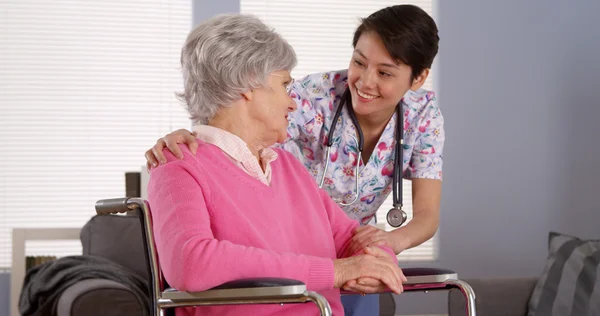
x=570, y=283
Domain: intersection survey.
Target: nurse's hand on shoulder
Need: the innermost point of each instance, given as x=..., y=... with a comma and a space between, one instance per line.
x=372, y=236
x=154, y=155
x=372, y=265
x=368, y=285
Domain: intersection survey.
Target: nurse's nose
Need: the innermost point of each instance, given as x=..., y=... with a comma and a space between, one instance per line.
x=367, y=79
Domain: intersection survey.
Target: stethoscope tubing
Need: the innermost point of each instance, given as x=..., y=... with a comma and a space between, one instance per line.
x=396, y=216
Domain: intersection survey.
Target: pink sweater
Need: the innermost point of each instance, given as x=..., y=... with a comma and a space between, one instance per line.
x=214, y=223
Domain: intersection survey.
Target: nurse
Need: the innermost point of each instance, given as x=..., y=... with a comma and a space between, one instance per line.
x=394, y=49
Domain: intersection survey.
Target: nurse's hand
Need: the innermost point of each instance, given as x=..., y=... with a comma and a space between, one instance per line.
x=372, y=236
x=154, y=155
x=367, y=285
x=369, y=266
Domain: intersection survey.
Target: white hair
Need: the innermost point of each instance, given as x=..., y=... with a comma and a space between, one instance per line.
x=226, y=56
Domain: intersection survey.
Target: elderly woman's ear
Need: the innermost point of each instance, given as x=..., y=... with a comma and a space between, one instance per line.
x=248, y=95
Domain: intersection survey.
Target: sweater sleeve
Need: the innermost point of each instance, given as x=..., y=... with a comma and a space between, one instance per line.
x=190, y=256
x=343, y=228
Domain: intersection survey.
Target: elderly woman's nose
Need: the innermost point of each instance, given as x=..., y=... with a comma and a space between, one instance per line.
x=292, y=106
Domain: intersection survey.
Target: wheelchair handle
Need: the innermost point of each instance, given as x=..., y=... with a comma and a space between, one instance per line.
x=114, y=206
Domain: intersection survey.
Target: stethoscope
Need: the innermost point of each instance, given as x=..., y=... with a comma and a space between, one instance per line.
x=396, y=216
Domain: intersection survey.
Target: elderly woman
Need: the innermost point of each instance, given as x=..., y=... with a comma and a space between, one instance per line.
x=237, y=208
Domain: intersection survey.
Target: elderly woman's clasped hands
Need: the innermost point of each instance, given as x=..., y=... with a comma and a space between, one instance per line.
x=374, y=272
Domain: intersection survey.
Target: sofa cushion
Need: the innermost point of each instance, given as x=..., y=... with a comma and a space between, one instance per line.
x=569, y=284
x=494, y=296
x=117, y=238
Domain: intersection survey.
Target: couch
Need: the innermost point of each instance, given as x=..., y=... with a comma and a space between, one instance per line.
x=495, y=296
x=569, y=284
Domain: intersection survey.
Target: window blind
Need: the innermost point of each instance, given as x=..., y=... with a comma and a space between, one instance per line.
x=85, y=88
x=321, y=32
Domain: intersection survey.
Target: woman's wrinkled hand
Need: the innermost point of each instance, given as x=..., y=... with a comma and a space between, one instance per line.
x=372, y=236
x=368, y=285
x=154, y=155
x=371, y=265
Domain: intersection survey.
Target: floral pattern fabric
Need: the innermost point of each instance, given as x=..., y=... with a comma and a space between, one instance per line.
x=318, y=96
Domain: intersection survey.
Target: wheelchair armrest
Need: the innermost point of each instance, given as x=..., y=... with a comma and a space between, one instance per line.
x=434, y=278
x=258, y=282
x=428, y=275
x=255, y=288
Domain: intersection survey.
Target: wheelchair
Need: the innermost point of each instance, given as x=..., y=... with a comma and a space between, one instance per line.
x=258, y=290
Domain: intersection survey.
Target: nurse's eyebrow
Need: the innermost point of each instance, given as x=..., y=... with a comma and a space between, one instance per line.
x=381, y=64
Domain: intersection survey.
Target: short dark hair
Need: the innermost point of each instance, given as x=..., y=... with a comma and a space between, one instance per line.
x=409, y=34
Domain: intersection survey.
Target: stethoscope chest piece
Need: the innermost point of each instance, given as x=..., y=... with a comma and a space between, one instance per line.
x=396, y=216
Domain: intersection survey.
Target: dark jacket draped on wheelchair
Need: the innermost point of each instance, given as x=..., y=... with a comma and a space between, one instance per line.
x=44, y=283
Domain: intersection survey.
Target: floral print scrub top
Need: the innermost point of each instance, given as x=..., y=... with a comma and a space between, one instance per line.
x=317, y=97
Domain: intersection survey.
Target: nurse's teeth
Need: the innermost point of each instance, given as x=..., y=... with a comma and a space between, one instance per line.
x=366, y=96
